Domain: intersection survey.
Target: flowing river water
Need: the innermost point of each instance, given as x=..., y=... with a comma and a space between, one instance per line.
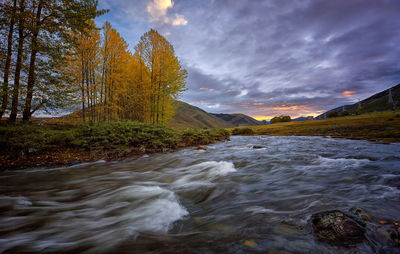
x=230, y=198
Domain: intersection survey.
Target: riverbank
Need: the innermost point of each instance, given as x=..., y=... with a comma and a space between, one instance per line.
x=378, y=126
x=32, y=145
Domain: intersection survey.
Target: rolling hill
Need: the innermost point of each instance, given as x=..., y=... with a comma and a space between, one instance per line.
x=188, y=116
x=378, y=102
x=238, y=119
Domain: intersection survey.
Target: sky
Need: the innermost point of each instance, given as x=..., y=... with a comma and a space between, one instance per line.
x=266, y=58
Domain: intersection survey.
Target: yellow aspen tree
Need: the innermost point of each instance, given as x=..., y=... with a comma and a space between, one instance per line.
x=115, y=57
x=82, y=68
x=139, y=90
x=167, y=77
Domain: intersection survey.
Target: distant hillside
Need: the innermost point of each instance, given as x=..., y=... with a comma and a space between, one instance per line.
x=302, y=118
x=188, y=116
x=238, y=119
x=299, y=119
x=377, y=102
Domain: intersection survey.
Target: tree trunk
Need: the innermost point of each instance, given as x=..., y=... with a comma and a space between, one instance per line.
x=83, y=84
x=32, y=64
x=87, y=89
x=18, y=66
x=4, y=101
x=83, y=103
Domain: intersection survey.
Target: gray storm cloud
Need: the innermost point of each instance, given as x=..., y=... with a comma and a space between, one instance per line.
x=283, y=56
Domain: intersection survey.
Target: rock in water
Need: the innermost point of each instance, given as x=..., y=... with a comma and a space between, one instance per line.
x=258, y=147
x=361, y=214
x=336, y=228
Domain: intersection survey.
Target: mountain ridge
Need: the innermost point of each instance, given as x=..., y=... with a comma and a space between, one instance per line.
x=189, y=116
x=377, y=102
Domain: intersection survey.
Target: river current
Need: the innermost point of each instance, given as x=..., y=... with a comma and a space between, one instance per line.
x=230, y=198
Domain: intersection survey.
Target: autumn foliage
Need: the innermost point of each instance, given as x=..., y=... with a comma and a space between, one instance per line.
x=53, y=59
x=115, y=84
x=36, y=36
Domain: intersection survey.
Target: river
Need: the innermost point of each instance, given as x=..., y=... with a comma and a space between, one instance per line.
x=230, y=198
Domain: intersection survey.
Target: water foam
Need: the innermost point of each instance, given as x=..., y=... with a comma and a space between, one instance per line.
x=221, y=168
x=202, y=174
x=109, y=218
x=346, y=162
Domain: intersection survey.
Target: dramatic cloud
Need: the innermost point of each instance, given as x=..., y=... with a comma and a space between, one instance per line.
x=348, y=93
x=158, y=13
x=272, y=57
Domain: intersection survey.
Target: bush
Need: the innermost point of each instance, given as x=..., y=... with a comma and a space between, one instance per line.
x=280, y=119
x=360, y=111
x=114, y=135
x=29, y=137
x=202, y=137
x=345, y=113
x=117, y=136
x=333, y=114
x=242, y=131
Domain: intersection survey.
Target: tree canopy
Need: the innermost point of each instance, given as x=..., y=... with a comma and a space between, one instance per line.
x=53, y=58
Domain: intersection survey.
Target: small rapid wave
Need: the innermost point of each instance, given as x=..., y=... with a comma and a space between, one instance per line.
x=106, y=218
x=346, y=162
x=202, y=174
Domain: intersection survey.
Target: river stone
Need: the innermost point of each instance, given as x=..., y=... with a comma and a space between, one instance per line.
x=361, y=214
x=258, y=147
x=201, y=148
x=336, y=228
x=250, y=243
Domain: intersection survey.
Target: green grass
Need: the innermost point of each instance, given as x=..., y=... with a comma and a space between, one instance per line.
x=378, y=126
x=243, y=131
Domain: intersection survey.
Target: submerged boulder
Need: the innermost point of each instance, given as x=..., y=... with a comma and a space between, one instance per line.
x=337, y=228
x=390, y=230
x=360, y=214
x=201, y=148
x=258, y=147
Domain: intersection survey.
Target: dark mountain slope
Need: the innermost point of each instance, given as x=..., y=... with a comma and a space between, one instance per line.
x=377, y=102
x=188, y=116
x=238, y=119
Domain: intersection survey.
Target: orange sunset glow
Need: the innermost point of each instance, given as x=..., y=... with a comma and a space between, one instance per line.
x=348, y=93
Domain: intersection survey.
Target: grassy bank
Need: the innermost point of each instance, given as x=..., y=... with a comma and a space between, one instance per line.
x=379, y=126
x=31, y=145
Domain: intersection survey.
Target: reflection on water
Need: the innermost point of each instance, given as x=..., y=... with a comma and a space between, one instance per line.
x=230, y=198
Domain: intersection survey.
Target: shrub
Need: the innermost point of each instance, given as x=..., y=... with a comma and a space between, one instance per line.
x=280, y=119
x=112, y=135
x=359, y=111
x=345, y=113
x=333, y=114
x=242, y=131
x=118, y=136
x=203, y=137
